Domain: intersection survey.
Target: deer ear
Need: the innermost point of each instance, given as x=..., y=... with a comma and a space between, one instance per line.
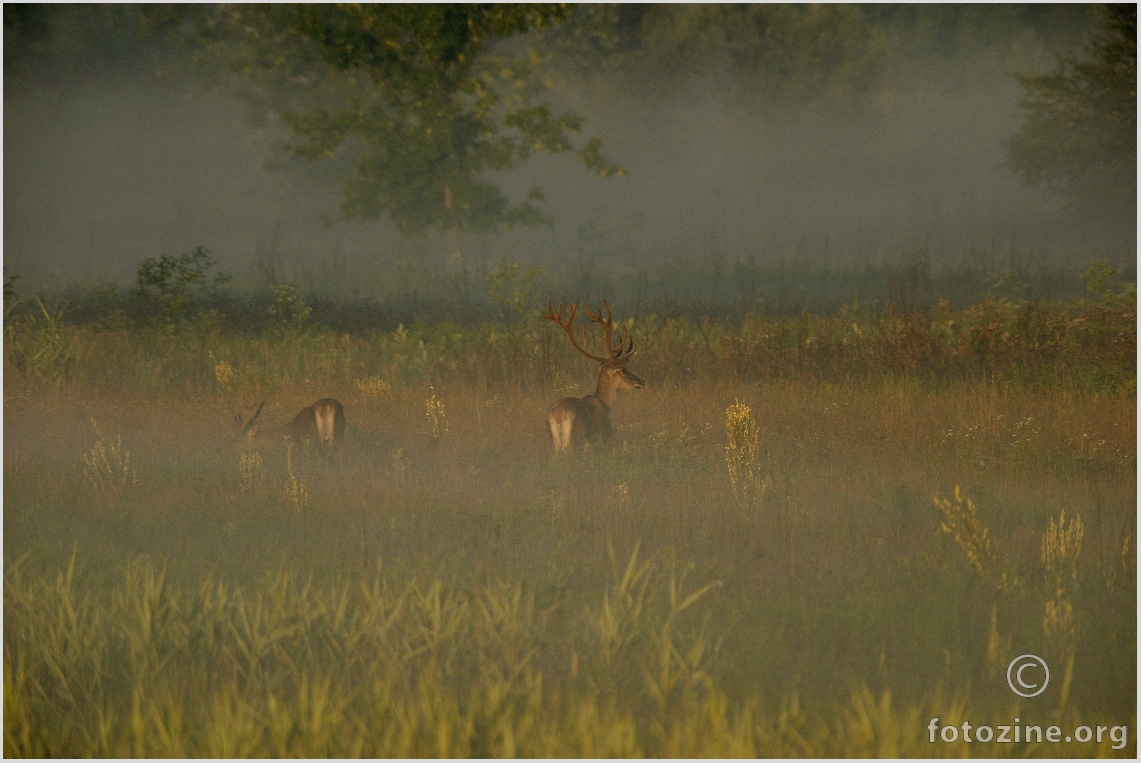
x=251, y=425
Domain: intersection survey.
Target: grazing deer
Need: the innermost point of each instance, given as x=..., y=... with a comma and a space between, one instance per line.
x=323, y=422
x=575, y=421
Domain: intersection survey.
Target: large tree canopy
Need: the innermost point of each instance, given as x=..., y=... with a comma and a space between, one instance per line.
x=421, y=101
x=1078, y=137
x=772, y=54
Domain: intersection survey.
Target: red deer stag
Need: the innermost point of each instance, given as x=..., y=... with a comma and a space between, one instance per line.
x=576, y=421
x=322, y=422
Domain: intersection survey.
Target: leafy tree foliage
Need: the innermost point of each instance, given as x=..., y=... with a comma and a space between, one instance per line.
x=169, y=286
x=416, y=104
x=1078, y=137
x=964, y=32
x=769, y=54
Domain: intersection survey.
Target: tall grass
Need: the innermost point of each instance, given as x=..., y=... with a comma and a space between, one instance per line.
x=444, y=586
x=413, y=669
x=1089, y=345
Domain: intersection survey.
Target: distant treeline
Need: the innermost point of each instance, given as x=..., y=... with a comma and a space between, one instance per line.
x=681, y=289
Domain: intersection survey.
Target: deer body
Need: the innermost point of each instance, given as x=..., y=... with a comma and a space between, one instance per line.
x=577, y=421
x=323, y=422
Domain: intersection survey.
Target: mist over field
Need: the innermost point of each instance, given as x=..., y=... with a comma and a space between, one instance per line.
x=106, y=163
x=298, y=464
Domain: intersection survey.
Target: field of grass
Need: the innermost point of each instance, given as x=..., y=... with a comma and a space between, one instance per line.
x=813, y=534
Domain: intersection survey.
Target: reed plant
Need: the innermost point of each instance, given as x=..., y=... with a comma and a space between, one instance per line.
x=961, y=522
x=388, y=668
x=107, y=466
x=742, y=455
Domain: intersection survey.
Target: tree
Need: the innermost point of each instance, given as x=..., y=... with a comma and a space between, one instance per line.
x=1078, y=137
x=766, y=54
x=169, y=286
x=416, y=103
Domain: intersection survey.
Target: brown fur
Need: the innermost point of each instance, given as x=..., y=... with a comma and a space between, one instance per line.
x=323, y=422
x=587, y=419
x=573, y=421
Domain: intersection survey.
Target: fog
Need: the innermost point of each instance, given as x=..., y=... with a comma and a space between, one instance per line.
x=829, y=512
x=101, y=171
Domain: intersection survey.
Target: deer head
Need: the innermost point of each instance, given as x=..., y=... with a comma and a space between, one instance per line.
x=613, y=375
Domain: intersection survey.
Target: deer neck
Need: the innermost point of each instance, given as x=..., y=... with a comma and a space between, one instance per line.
x=607, y=389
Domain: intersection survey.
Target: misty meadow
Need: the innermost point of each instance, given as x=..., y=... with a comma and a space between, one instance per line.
x=288, y=301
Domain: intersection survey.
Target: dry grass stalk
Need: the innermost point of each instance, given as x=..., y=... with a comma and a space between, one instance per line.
x=961, y=521
x=107, y=466
x=374, y=387
x=1062, y=549
x=742, y=455
x=437, y=415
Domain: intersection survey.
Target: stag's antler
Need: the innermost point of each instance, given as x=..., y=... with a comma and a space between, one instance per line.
x=616, y=355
